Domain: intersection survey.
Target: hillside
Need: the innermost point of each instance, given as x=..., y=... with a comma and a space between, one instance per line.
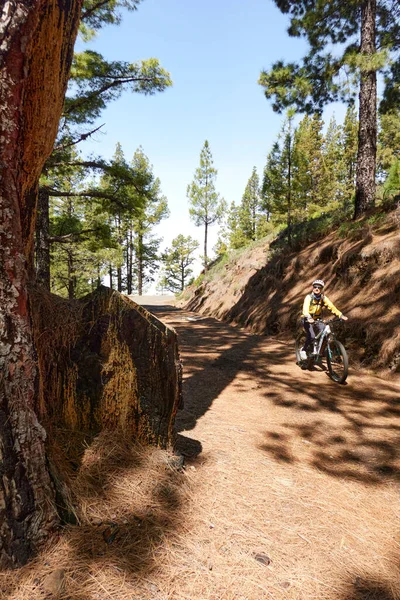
x=262, y=287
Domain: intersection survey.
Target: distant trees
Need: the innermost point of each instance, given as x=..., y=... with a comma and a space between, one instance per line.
x=245, y=221
x=94, y=82
x=365, y=36
x=206, y=206
x=177, y=262
x=105, y=226
x=152, y=211
x=278, y=182
x=309, y=171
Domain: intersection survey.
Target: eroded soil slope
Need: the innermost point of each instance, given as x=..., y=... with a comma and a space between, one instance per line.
x=264, y=288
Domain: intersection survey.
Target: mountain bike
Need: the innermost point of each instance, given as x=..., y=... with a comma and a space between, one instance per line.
x=325, y=344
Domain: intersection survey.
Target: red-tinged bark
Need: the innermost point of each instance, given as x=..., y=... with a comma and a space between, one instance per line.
x=36, y=45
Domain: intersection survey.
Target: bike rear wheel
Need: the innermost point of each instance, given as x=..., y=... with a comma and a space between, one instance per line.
x=337, y=360
x=300, y=341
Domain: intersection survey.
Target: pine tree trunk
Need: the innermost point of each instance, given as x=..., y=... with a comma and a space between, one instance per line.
x=367, y=132
x=33, y=81
x=110, y=272
x=42, y=240
x=205, y=246
x=119, y=279
x=129, y=274
x=71, y=275
x=140, y=264
x=289, y=194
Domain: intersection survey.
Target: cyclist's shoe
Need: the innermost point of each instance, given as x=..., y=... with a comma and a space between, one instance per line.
x=303, y=355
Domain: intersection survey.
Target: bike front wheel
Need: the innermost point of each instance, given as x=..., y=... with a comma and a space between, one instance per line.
x=337, y=360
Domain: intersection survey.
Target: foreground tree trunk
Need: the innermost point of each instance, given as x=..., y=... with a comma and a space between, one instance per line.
x=367, y=132
x=36, y=45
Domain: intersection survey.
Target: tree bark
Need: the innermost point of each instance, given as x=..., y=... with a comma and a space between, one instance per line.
x=36, y=46
x=129, y=274
x=140, y=264
x=42, y=240
x=205, y=245
x=71, y=275
x=367, y=132
x=110, y=272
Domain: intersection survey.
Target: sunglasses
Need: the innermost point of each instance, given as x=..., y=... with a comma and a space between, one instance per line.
x=317, y=287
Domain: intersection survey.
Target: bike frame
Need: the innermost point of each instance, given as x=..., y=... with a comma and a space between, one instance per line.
x=319, y=339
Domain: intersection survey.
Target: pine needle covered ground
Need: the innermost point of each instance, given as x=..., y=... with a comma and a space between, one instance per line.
x=290, y=488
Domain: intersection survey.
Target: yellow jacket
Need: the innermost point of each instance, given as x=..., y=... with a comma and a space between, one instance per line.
x=313, y=307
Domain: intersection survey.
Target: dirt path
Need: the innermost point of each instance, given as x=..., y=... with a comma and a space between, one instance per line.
x=296, y=479
x=290, y=489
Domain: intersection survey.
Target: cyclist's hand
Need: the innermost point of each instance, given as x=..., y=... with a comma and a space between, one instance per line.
x=310, y=320
x=343, y=318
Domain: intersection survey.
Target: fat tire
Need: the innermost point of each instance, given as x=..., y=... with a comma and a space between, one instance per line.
x=301, y=338
x=342, y=351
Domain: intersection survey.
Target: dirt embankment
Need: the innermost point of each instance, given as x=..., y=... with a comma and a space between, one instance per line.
x=264, y=287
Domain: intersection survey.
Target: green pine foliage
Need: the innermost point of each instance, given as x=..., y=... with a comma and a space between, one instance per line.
x=388, y=143
x=177, y=261
x=349, y=43
x=103, y=227
x=206, y=207
x=100, y=209
x=391, y=187
x=246, y=222
x=152, y=211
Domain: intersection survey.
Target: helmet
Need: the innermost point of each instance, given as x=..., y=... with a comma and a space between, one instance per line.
x=319, y=282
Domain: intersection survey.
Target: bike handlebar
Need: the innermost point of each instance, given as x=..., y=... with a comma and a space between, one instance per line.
x=335, y=320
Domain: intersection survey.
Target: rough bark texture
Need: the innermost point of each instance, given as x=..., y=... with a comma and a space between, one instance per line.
x=367, y=132
x=106, y=362
x=36, y=45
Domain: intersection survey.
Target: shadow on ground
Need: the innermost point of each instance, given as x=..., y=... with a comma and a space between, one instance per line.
x=348, y=430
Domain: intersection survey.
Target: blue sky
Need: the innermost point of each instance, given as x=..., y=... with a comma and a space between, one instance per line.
x=214, y=51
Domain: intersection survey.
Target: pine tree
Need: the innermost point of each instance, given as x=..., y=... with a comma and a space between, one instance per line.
x=206, y=206
x=153, y=209
x=278, y=189
x=388, y=143
x=350, y=145
x=250, y=208
x=356, y=29
x=177, y=262
x=332, y=184
x=235, y=234
x=391, y=186
x=94, y=82
x=311, y=193
x=37, y=40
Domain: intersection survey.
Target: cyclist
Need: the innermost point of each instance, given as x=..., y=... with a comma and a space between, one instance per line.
x=312, y=309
